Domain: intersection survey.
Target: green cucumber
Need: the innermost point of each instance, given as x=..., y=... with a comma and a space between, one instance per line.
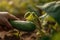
x=23, y=25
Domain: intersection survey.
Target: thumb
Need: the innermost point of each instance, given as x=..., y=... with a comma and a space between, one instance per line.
x=13, y=17
x=6, y=22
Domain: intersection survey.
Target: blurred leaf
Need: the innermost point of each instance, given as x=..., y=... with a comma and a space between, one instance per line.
x=44, y=38
x=56, y=36
x=53, y=9
x=33, y=9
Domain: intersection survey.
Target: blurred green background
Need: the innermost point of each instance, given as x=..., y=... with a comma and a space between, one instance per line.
x=19, y=7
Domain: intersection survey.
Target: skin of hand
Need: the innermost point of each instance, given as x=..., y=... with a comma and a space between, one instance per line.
x=4, y=17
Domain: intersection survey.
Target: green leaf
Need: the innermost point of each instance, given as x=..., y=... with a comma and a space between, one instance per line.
x=44, y=38
x=56, y=36
x=53, y=9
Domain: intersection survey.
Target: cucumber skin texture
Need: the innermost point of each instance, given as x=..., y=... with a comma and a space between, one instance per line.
x=23, y=25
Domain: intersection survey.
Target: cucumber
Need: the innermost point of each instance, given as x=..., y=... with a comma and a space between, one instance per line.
x=23, y=25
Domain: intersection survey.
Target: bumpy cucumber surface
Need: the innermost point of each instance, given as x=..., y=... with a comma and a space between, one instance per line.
x=23, y=25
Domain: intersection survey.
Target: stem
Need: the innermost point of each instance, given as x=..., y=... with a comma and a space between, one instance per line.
x=38, y=23
x=19, y=34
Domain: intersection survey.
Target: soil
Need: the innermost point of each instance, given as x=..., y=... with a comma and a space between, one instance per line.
x=8, y=35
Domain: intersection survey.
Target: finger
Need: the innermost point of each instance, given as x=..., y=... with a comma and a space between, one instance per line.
x=13, y=17
x=1, y=29
x=6, y=22
x=1, y=21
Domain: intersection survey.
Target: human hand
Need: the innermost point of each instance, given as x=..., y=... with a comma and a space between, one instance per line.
x=4, y=17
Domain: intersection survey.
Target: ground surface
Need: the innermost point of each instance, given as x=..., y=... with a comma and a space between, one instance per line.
x=4, y=35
